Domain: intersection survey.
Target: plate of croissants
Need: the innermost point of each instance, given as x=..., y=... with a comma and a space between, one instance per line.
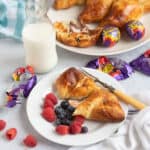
x=68, y=107
x=100, y=27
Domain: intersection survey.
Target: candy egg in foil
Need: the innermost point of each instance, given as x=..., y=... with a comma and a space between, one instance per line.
x=135, y=29
x=110, y=36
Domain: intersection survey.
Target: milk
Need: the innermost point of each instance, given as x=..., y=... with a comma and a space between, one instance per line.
x=40, y=46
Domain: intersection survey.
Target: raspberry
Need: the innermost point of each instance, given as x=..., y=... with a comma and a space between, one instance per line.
x=48, y=103
x=30, y=141
x=30, y=69
x=52, y=97
x=75, y=128
x=49, y=114
x=11, y=133
x=2, y=125
x=62, y=129
x=79, y=119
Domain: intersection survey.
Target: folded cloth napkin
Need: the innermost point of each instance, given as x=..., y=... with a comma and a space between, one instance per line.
x=133, y=135
x=12, y=17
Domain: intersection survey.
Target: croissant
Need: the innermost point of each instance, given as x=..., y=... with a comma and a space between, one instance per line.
x=75, y=39
x=95, y=10
x=123, y=11
x=73, y=84
x=102, y=106
x=64, y=4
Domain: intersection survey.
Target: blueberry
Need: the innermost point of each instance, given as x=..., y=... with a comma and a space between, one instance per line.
x=84, y=129
x=69, y=116
x=58, y=110
x=61, y=115
x=66, y=122
x=64, y=104
x=71, y=109
x=58, y=122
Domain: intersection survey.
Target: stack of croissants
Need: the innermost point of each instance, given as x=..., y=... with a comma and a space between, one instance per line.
x=94, y=102
x=103, y=12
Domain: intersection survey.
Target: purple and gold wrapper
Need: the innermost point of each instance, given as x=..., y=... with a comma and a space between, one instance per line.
x=110, y=36
x=142, y=63
x=24, y=81
x=135, y=29
x=115, y=67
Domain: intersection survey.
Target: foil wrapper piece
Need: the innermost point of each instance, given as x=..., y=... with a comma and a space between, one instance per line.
x=24, y=81
x=115, y=67
x=142, y=63
x=29, y=86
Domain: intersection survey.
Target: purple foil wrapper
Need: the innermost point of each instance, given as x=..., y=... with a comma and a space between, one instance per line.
x=93, y=64
x=125, y=69
x=11, y=103
x=22, y=91
x=29, y=86
x=141, y=64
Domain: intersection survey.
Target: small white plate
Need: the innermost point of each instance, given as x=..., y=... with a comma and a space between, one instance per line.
x=124, y=45
x=97, y=131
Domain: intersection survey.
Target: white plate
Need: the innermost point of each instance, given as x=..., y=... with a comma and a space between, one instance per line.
x=124, y=45
x=97, y=131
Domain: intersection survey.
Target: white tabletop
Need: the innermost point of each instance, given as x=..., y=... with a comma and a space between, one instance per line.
x=12, y=56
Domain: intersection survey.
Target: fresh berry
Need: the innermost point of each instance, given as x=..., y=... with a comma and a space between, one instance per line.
x=30, y=141
x=49, y=114
x=71, y=109
x=52, y=97
x=62, y=129
x=66, y=121
x=58, y=122
x=79, y=119
x=69, y=116
x=75, y=128
x=58, y=110
x=2, y=125
x=30, y=69
x=48, y=103
x=11, y=133
x=64, y=104
x=84, y=129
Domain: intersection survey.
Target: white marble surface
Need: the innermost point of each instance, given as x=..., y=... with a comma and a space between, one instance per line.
x=12, y=56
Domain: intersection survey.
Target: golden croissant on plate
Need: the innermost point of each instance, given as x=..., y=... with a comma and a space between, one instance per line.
x=95, y=10
x=101, y=105
x=73, y=84
x=75, y=39
x=63, y=4
x=123, y=11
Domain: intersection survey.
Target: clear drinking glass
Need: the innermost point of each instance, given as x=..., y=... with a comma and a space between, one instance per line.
x=39, y=37
x=36, y=10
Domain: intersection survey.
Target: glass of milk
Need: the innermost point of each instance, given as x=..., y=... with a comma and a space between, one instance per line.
x=40, y=46
x=39, y=39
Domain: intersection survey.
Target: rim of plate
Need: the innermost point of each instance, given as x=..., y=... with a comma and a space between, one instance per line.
x=80, y=51
x=94, y=136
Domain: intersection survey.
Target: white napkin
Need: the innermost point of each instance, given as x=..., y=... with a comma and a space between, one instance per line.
x=133, y=135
